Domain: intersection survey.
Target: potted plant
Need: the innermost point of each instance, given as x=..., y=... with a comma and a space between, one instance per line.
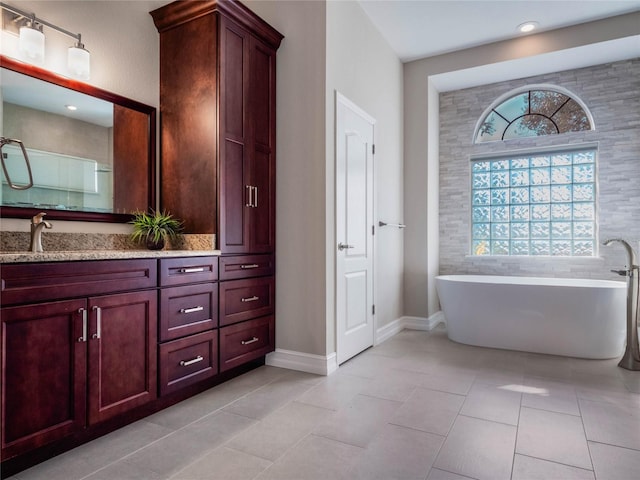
x=155, y=228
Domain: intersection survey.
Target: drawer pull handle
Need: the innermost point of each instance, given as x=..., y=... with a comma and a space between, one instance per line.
x=191, y=310
x=248, y=342
x=250, y=299
x=249, y=265
x=192, y=270
x=98, y=333
x=83, y=338
x=186, y=363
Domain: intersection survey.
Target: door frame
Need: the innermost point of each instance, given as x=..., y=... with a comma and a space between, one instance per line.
x=340, y=98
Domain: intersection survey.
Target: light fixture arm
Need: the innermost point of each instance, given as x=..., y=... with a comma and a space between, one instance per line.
x=32, y=17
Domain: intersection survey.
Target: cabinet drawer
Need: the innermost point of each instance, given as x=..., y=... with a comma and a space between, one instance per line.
x=180, y=271
x=244, y=266
x=246, y=341
x=28, y=283
x=188, y=360
x=188, y=309
x=246, y=299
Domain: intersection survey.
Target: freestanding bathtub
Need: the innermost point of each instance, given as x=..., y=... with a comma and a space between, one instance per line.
x=570, y=317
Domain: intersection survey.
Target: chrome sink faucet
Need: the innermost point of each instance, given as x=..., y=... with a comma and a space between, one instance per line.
x=37, y=224
x=631, y=358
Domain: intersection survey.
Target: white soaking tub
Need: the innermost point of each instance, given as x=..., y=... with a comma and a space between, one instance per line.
x=559, y=316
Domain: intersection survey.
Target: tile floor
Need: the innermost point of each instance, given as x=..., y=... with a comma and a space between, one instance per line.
x=415, y=407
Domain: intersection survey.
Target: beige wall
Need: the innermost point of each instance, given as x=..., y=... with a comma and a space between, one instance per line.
x=327, y=47
x=362, y=67
x=300, y=173
x=421, y=117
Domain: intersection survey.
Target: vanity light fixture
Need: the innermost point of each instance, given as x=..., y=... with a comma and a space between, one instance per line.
x=31, y=43
x=527, y=27
x=78, y=60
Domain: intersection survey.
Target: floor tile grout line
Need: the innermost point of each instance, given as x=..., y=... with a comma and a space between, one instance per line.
x=487, y=420
x=613, y=445
x=515, y=444
x=453, y=473
x=557, y=463
x=550, y=411
x=217, y=410
x=586, y=439
x=225, y=444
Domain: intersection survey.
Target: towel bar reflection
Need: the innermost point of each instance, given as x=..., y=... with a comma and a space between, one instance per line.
x=8, y=141
x=385, y=224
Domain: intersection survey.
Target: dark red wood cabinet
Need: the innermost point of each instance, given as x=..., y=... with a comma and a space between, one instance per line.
x=44, y=374
x=89, y=346
x=79, y=361
x=188, y=350
x=217, y=103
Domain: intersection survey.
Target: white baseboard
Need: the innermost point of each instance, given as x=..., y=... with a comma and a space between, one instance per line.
x=327, y=364
x=409, y=323
x=304, y=362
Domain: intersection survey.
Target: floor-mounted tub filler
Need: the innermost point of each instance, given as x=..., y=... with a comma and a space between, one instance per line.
x=631, y=358
x=559, y=316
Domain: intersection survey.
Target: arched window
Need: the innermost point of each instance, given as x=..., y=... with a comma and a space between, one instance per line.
x=534, y=112
x=539, y=202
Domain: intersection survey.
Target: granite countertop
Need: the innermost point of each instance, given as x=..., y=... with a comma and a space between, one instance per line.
x=75, y=255
x=68, y=247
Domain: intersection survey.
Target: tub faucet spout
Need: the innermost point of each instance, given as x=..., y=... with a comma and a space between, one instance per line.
x=37, y=224
x=631, y=358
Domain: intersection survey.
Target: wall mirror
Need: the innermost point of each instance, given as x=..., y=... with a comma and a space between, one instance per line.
x=91, y=152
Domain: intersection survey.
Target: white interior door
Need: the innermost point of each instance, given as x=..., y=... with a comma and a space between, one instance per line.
x=354, y=233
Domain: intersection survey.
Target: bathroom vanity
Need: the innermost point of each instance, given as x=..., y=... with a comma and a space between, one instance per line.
x=92, y=341
x=90, y=345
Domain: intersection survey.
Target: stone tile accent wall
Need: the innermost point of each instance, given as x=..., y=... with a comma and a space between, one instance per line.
x=612, y=94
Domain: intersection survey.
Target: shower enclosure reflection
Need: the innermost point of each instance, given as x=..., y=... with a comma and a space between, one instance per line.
x=92, y=152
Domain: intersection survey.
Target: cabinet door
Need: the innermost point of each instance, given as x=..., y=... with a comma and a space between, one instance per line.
x=234, y=210
x=43, y=374
x=188, y=96
x=122, y=353
x=262, y=154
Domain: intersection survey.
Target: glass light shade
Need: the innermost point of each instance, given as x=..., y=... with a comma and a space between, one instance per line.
x=31, y=44
x=79, y=62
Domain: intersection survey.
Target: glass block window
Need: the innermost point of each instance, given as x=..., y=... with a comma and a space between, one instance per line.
x=533, y=113
x=540, y=204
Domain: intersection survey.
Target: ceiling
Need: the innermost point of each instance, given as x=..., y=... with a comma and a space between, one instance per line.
x=423, y=28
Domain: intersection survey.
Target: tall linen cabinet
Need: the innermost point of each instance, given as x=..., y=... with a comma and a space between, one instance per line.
x=217, y=114
x=218, y=120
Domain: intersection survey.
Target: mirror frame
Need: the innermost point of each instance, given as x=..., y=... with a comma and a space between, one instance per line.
x=51, y=77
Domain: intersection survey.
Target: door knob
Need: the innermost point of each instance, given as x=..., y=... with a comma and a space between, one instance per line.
x=344, y=246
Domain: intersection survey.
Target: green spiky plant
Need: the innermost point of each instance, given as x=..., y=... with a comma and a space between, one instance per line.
x=155, y=227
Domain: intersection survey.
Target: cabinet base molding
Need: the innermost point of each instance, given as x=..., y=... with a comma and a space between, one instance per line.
x=303, y=362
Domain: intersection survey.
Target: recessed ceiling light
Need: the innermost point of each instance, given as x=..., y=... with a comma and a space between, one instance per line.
x=527, y=27
x=71, y=107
